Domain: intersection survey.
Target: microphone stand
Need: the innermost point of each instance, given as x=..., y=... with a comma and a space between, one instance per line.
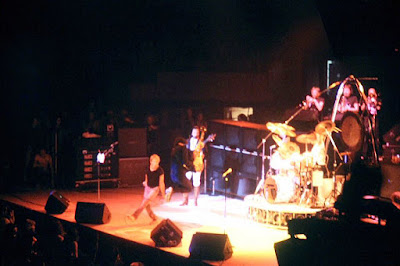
x=98, y=174
x=101, y=161
x=226, y=182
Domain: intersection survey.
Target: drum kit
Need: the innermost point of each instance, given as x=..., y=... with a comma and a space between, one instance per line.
x=294, y=177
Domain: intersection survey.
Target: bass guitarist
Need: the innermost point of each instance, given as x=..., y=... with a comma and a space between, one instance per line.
x=195, y=145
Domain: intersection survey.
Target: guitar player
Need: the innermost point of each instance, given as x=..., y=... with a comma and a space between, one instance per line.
x=195, y=146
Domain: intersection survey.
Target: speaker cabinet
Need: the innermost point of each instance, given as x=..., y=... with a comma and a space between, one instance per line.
x=92, y=213
x=236, y=146
x=56, y=203
x=166, y=234
x=207, y=246
x=132, y=171
x=233, y=136
x=132, y=142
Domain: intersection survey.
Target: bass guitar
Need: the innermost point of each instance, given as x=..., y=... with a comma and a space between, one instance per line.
x=198, y=155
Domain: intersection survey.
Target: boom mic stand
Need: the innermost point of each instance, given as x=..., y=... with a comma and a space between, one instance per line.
x=226, y=182
x=101, y=156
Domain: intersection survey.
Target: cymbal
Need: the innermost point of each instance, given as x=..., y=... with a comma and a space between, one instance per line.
x=307, y=138
x=288, y=149
x=281, y=129
x=324, y=127
x=277, y=139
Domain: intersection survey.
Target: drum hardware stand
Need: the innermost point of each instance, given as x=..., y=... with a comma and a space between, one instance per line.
x=304, y=179
x=304, y=195
x=269, y=173
x=307, y=193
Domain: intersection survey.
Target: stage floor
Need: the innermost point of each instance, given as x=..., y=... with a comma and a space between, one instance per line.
x=252, y=242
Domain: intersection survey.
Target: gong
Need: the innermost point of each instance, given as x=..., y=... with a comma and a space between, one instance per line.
x=352, y=131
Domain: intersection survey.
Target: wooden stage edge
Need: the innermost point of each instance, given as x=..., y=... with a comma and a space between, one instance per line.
x=252, y=240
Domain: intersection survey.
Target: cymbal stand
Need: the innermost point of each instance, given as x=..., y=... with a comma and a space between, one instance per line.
x=333, y=194
x=371, y=131
x=295, y=114
x=261, y=183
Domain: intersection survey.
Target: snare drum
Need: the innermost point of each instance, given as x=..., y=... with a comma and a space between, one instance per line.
x=280, y=188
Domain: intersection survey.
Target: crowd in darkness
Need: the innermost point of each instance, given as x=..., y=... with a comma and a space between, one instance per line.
x=37, y=239
x=53, y=140
x=25, y=241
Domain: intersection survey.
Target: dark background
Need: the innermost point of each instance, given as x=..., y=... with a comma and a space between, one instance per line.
x=59, y=55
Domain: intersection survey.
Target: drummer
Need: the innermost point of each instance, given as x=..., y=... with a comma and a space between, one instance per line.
x=282, y=159
x=318, y=150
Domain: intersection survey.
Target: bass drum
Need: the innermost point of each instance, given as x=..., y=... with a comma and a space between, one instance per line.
x=352, y=131
x=280, y=188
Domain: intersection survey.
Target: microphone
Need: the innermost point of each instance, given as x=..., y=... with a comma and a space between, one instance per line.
x=227, y=172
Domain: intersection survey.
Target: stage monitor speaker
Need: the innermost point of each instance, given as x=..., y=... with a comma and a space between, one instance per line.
x=294, y=251
x=56, y=203
x=92, y=213
x=166, y=234
x=208, y=246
